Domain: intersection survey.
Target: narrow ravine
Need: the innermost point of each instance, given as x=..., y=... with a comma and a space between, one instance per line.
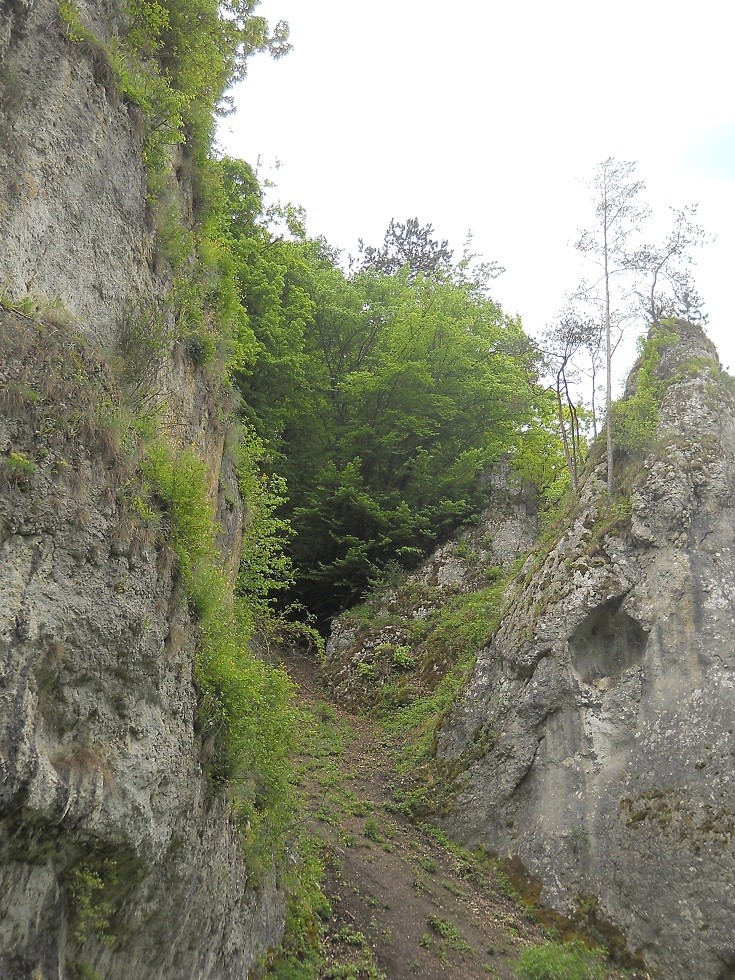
x=404, y=901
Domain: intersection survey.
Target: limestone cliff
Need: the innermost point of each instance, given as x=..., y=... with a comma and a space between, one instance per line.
x=609, y=691
x=117, y=856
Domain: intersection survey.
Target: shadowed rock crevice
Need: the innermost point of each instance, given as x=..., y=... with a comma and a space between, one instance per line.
x=606, y=643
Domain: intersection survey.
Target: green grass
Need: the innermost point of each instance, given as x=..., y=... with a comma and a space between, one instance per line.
x=570, y=961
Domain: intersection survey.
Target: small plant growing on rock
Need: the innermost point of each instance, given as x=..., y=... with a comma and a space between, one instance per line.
x=16, y=470
x=92, y=909
x=403, y=659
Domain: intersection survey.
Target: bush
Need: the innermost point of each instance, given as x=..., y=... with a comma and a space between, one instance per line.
x=403, y=659
x=635, y=419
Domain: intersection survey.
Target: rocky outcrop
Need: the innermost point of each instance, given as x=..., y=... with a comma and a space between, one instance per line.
x=610, y=691
x=118, y=857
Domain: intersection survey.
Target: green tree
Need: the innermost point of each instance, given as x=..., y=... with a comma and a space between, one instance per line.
x=415, y=387
x=384, y=395
x=408, y=245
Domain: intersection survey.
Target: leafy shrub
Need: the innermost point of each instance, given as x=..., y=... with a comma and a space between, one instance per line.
x=16, y=470
x=403, y=659
x=90, y=902
x=635, y=419
x=366, y=670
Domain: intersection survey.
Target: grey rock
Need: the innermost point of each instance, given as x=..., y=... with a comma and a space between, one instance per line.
x=610, y=684
x=103, y=773
x=74, y=220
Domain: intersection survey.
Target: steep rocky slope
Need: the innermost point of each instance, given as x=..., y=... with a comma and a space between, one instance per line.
x=607, y=693
x=117, y=854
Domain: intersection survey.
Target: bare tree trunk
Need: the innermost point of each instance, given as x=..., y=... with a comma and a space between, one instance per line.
x=563, y=430
x=574, y=434
x=594, y=399
x=608, y=356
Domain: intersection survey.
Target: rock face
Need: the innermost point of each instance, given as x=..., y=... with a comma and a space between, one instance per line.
x=115, y=853
x=73, y=216
x=117, y=857
x=610, y=691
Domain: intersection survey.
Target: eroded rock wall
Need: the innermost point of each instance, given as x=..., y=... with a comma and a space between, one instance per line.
x=610, y=691
x=74, y=222
x=116, y=853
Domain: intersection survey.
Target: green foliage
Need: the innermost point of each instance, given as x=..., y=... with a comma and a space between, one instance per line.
x=537, y=456
x=636, y=417
x=460, y=629
x=246, y=703
x=570, y=961
x=16, y=469
x=91, y=905
x=174, y=59
x=264, y=566
x=366, y=670
x=385, y=396
x=447, y=930
x=299, y=957
x=403, y=659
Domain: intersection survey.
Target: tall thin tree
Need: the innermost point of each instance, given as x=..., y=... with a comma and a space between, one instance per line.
x=618, y=215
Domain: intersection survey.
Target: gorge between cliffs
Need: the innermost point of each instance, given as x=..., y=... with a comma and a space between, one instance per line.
x=314, y=661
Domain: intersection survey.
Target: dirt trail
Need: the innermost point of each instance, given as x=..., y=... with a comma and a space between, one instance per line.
x=404, y=904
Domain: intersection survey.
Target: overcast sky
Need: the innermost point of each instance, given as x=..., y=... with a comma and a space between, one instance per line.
x=490, y=117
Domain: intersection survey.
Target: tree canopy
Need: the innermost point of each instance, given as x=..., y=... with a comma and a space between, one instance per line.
x=384, y=392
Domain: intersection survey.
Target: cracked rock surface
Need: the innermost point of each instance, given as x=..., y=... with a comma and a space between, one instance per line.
x=610, y=687
x=116, y=854
x=117, y=857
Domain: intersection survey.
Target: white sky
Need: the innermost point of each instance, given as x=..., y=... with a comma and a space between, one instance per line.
x=490, y=117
